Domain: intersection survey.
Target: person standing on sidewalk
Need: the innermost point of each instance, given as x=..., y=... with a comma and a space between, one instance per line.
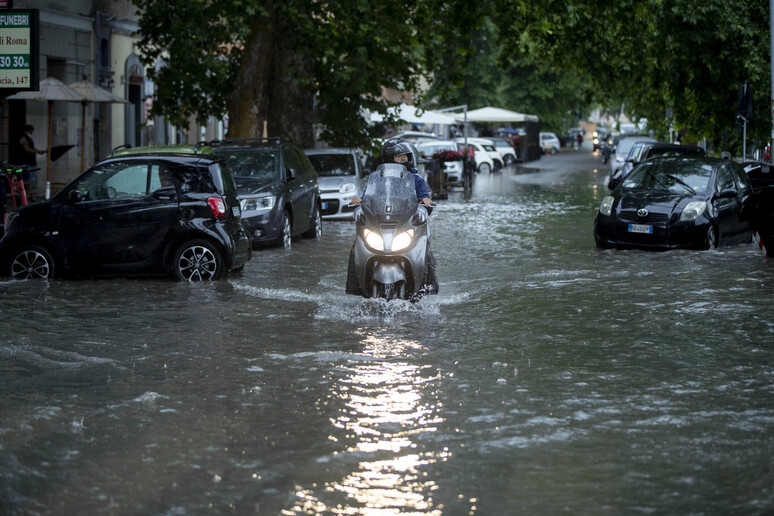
x=29, y=157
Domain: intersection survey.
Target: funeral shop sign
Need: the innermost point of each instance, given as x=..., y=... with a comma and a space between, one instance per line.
x=19, y=50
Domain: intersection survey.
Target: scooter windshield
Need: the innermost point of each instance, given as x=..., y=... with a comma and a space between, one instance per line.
x=390, y=195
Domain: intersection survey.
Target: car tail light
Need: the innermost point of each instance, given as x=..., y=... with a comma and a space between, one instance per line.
x=217, y=207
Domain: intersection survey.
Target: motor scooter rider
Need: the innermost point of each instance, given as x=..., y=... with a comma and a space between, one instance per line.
x=396, y=150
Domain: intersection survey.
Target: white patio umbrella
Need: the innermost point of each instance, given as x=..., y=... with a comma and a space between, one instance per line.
x=51, y=90
x=411, y=115
x=93, y=93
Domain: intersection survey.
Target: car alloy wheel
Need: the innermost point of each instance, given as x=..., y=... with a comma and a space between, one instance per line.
x=711, y=240
x=286, y=231
x=198, y=260
x=32, y=263
x=315, y=230
x=485, y=168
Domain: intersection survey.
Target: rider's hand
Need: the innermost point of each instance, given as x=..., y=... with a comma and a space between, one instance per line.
x=427, y=202
x=356, y=200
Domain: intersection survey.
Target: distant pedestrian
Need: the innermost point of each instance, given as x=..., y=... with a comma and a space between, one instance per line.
x=28, y=156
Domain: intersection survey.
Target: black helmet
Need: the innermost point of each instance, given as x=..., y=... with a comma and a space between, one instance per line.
x=395, y=147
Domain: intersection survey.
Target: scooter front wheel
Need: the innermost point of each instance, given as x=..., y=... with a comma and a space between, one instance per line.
x=390, y=291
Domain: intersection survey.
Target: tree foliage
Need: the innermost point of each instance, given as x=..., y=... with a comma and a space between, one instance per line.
x=288, y=64
x=656, y=56
x=301, y=66
x=558, y=95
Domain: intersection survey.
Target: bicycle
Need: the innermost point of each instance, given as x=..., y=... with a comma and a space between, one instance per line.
x=14, y=176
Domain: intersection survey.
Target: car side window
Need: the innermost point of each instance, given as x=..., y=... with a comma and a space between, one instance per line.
x=160, y=177
x=309, y=171
x=742, y=181
x=724, y=180
x=292, y=161
x=119, y=180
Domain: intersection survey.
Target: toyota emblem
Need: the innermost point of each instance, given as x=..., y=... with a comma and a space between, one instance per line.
x=642, y=212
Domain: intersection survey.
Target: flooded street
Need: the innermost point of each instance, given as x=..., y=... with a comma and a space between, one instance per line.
x=546, y=377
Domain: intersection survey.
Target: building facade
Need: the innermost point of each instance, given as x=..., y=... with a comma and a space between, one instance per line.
x=94, y=41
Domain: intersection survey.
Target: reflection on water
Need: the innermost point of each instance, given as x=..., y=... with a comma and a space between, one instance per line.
x=388, y=403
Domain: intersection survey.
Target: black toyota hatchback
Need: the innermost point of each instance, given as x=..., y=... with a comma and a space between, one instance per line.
x=681, y=202
x=175, y=214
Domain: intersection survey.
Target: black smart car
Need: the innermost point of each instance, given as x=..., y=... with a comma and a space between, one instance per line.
x=681, y=202
x=277, y=187
x=172, y=214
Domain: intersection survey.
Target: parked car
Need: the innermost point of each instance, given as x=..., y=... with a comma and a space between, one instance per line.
x=549, y=142
x=607, y=147
x=621, y=152
x=642, y=151
x=452, y=168
x=484, y=162
x=759, y=207
x=668, y=203
x=489, y=147
x=162, y=213
x=505, y=148
x=341, y=176
x=277, y=188
x=416, y=136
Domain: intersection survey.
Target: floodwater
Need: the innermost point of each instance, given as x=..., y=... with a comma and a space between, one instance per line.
x=547, y=377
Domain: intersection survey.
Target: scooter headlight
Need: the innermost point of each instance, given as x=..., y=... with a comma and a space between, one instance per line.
x=402, y=240
x=374, y=240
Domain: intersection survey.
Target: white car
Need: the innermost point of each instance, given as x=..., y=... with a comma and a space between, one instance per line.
x=506, y=150
x=490, y=148
x=549, y=142
x=484, y=162
x=452, y=168
x=340, y=176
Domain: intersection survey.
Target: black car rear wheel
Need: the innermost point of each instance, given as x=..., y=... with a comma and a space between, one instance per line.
x=31, y=262
x=197, y=260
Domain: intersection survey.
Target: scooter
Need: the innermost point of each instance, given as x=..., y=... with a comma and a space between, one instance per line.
x=391, y=257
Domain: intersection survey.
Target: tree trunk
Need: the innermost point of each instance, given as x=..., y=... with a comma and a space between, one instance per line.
x=273, y=86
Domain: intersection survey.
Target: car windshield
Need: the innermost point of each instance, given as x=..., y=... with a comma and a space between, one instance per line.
x=489, y=148
x=626, y=145
x=333, y=164
x=258, y=166
x=676, y=175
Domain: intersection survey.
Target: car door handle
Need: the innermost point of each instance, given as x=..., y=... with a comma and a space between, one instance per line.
x=164, y=196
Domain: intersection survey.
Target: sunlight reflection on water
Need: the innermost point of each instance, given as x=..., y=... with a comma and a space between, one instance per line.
x=388, y=404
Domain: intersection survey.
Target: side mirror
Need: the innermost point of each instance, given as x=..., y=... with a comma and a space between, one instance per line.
x=728, y=193
x=72, y=196
x=290, y=174
x=366, y=171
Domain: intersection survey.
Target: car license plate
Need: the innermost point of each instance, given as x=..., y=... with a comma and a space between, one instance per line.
x=640, y=228
x=325, y=205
